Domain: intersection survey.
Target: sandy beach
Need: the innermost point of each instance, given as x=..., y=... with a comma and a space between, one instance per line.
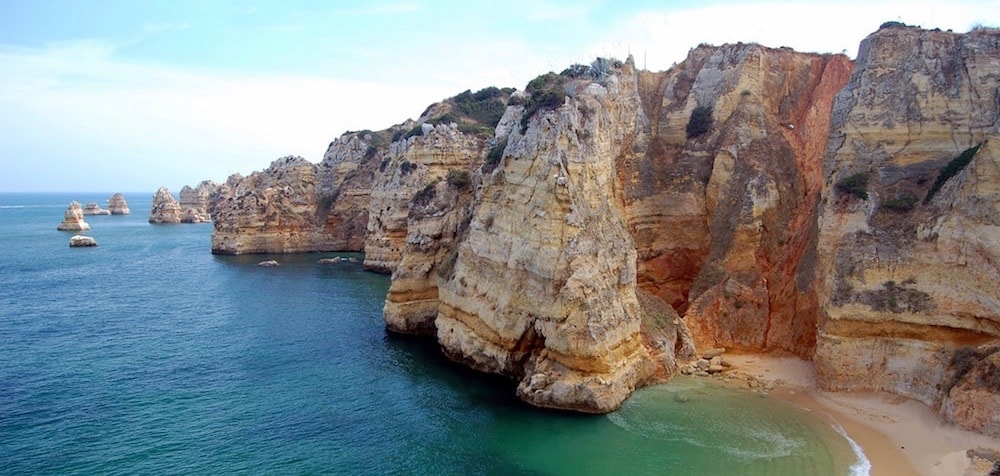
x=898, y=435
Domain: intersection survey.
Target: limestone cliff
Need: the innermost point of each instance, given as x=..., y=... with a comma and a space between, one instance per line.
x=117, y=205
x=721, y=214
x=165, y=208
x=909, y=235
x=73, y=219
x=570, y=236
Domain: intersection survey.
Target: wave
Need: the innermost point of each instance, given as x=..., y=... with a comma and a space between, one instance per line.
x=861, y=467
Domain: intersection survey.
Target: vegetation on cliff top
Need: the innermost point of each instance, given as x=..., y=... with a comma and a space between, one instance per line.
x=474, y=113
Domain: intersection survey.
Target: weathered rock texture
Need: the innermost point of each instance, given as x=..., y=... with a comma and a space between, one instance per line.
x=722, y=220
x=73, y=219
x=582, y=236
x=117, y=205
x=196, y=203
x=94, y=209
x=909, y=239
x=165, y=208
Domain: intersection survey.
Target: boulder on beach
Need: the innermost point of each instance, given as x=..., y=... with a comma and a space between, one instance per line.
x=73, y=219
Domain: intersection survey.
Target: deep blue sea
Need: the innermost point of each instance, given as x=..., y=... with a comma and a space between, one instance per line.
x=149, y=355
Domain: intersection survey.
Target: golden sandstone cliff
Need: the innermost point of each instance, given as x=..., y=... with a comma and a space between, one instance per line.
x=582, y=236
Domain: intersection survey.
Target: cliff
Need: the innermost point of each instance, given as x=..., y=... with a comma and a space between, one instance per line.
x=582, y=236
x=909, y=233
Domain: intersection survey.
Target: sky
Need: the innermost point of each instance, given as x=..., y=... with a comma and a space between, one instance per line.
x=133, y=95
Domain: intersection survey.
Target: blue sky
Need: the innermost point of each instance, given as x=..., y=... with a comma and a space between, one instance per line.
x=132, y=95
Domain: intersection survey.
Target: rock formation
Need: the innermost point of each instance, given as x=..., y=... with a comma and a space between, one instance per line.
x=165, y=208
x=587, y=232
x=80, y=241
x=117, y=205
x=94, y=209
x=910, y=230
x=73, y=219
x=196, y=203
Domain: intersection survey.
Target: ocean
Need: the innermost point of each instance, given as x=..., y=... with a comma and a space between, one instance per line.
x=149, y=355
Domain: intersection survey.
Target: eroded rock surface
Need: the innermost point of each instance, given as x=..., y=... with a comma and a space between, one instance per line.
x=196, y=203
x=165, y=209
x=909, y=236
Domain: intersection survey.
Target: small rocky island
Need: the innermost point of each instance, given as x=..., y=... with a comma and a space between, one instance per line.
x=81, y=241
x=117, y=205
x=73, y=219
x=165, y=208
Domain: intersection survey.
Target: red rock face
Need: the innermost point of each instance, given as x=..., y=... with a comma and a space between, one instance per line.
x=723, y=221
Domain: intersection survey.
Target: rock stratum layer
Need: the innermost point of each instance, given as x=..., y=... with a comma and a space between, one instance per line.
x=582, y=236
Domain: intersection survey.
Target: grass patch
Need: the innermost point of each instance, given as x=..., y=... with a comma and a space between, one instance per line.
x=952, y=169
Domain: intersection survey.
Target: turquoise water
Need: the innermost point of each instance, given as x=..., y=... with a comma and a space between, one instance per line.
x=149, y=355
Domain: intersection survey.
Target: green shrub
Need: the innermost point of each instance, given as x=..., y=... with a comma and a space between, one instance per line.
x=700, y=121
x=458, y=179
x=856, y=185
x=494, y=156
x=952, y=169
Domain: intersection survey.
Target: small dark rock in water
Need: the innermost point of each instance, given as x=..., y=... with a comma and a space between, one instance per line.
x=268, y=263
x=329, y=260
x=80, y=241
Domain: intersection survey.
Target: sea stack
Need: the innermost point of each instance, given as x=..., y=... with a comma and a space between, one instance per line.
x=195, y=202
x=117, y=205
x=165, y=208
x=93, y=208
x=73, y=219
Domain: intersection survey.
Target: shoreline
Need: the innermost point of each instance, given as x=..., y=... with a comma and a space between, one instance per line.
x=898, y=436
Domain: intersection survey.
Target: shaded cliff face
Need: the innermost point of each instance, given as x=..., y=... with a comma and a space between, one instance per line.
x=196, y=202
x=721, y=219
x=909, y=233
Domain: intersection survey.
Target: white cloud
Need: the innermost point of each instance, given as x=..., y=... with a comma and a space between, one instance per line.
x=77, y=106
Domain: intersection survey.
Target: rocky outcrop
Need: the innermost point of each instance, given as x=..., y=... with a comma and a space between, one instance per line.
x=117, y=205
x=80, y=241
x=165, y=209
x=73, y=219
x=196, y=203
x=94, y=209
x=909, y=234
x=297, y=206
